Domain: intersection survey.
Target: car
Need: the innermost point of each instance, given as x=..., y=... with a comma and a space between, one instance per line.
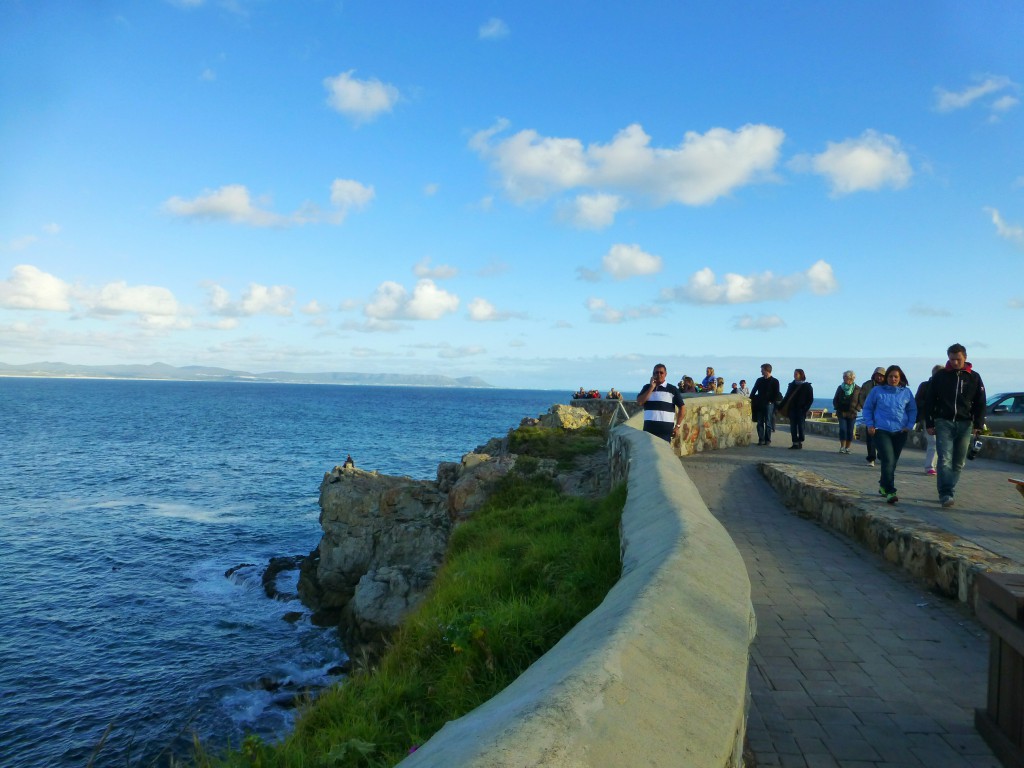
x=1005, y=411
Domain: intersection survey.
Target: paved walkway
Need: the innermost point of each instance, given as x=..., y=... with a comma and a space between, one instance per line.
x=854, y=664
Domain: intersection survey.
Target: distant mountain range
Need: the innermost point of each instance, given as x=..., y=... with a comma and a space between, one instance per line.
x=203, y=373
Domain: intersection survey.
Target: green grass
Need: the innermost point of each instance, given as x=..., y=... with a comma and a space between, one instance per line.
x=560, y=444
x=519, y=575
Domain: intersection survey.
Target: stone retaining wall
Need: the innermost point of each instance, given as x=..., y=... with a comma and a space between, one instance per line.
x=654, y=676
x=942, y=561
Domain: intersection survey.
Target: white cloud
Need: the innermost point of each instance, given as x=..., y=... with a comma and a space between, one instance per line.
x=31, y=288
x=118, y=298
x=1005, y=103
x=759, y=323
x=229, y=203
x=312, y=308
x=440, y=272
x=256, y=300
x=1012, y=232
x=927, y=310
x=949, y=101
x=454, y=353
x=588, y=275
x=362, y=100
x=1015, y=303
x=625, y=261
x=481, y=310
x=821, y=280
x=431, y=189
x=870, y=162
x=602, y=312
x=234, y=204
x=21, y=243
x=704, y=288
x=698, y=171
x=595, y=211
x=493, y=29
x=348, y=193
x=392, y=301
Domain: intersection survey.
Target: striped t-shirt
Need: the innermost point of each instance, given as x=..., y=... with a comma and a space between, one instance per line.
x=660, y=410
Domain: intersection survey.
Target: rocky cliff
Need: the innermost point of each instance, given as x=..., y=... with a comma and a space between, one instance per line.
x=385, y=537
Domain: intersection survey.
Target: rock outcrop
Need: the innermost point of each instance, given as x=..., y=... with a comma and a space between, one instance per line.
x=384, y=537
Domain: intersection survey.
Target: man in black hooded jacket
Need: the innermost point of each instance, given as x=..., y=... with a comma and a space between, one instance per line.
x=955, y=414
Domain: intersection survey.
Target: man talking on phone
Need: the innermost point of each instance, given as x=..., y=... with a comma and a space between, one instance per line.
x=660, y=400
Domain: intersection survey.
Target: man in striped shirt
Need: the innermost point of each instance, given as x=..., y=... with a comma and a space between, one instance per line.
x=660, y=401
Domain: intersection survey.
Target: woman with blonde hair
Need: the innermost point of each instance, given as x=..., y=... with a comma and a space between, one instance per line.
x=708, y=383
x=844, y=402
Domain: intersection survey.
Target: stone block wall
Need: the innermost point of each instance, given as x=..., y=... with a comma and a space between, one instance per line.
x=712, y=422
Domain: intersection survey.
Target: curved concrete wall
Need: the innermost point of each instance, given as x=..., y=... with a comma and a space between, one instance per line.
x=654, y=676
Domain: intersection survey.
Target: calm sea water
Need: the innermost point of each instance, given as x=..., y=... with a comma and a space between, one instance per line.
x=123, y=503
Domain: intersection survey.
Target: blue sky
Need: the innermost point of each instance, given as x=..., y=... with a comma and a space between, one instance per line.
x=541, y=194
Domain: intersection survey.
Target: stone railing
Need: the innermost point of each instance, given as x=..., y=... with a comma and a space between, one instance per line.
x=711, y=421
x=657, y=674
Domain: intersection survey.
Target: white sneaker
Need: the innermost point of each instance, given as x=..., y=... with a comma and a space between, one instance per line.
x=871, y=463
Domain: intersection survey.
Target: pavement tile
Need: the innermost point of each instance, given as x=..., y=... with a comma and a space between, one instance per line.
x=897, y=669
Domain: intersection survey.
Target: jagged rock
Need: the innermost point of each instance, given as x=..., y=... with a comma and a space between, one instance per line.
x=475, y=478
x=566, y=417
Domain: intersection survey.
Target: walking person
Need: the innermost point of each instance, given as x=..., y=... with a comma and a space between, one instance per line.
x=661, y=401
x=878, y=377
x=955, y=414
x=921, y=399
x=796, y=404
x=889, y=414
x=763, y=398
x=844, y=402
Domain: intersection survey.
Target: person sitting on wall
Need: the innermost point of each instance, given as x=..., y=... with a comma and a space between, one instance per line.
x=349, y=464
x=735, y=389
x=580, y=394
x=614, y=394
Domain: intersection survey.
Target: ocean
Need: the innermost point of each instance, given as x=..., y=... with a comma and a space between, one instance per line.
x=123, y=504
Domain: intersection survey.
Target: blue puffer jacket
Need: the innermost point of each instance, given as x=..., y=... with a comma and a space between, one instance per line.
x=890, y=408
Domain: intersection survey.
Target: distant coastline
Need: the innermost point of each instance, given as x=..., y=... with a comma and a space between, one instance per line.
x=164, y=372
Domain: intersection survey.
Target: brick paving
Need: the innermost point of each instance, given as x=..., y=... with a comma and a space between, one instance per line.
x=855, y=665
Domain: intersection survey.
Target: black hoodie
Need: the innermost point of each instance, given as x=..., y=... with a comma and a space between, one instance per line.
x=956, y=396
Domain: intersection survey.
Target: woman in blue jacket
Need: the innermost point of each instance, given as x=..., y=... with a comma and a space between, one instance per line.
x=889, y=415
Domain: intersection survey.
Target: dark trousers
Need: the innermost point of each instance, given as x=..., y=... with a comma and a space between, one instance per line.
x=889, y=446
x=796, y=425
x=766, y=424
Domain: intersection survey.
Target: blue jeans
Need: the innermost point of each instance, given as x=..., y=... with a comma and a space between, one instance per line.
x=952, y=439
x=846, y=428
x=889, y=446
x=796, y=425
x=764, y=424
x=869, y=441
